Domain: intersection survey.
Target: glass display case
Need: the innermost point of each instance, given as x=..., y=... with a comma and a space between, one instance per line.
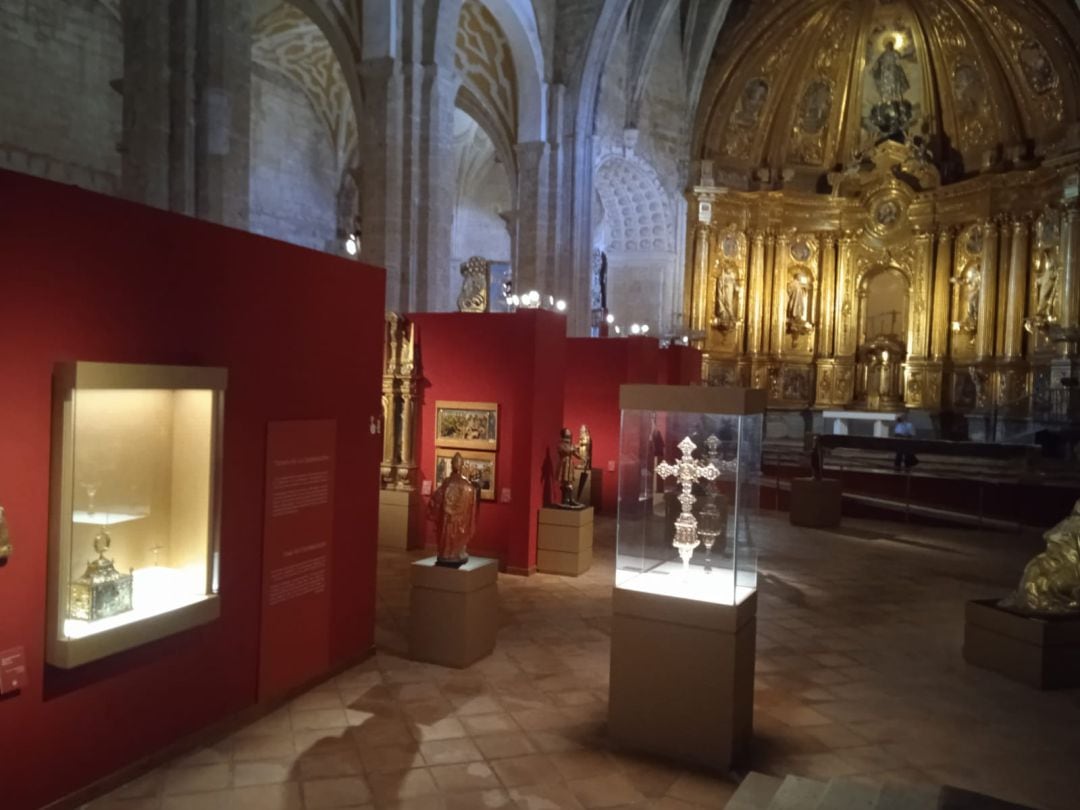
x=134, y=508
x=689, y=466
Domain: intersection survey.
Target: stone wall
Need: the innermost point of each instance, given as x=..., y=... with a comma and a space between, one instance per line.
x=59, y=118
x=294, y=179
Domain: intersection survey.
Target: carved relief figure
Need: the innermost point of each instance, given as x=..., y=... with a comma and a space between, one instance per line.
x=745, y=119
x=453, y=507
x=1037, y=67
x=1051, y=581
x=815, y=107
x=475, y=276
x=799, y=290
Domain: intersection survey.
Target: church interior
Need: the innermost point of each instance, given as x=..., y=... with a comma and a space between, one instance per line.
x=540, y=404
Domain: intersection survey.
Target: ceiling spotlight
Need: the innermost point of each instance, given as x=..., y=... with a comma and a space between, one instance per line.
x=635, y=329
x=560, y=305
x=644, y=329
x=352, y=244
x=618, y=331
x=610, y=319
x=515, y=300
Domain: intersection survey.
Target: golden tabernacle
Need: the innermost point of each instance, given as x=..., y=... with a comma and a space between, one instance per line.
x=904, y=232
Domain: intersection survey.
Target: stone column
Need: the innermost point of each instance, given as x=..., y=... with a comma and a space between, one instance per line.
x=223, y=106
x=756, y=292
x=827, y=307
x=381, y=184
x=943, y=269
x=984, y=343
x=1012, y=345
x=433, y=178
x=531, y=271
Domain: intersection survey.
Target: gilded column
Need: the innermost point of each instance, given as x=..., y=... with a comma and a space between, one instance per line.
x=827, y=307
x=778, y=306
x=939, y=337
x=1004, y=273
x=768, y=292
x=698, y=305
x=756, y=304
x=845, y=303
x=988, y=292
x=1070, y=299
x=1012, y=347
x=923, y=325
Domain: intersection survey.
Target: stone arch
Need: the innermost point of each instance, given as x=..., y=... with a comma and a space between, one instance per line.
x=517, y=19
x=639, y=212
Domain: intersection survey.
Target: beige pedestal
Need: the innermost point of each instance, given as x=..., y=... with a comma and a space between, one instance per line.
x=453, y=612
x=396, y=510
x=564, y=541
x=682, y=678
x=1044, y=653
x=816, y=503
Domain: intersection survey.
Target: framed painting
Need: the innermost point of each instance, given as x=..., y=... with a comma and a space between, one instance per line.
x=467, y=425
x=479, y=467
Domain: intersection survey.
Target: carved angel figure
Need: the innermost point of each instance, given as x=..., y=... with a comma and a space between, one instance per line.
x=1051, y=581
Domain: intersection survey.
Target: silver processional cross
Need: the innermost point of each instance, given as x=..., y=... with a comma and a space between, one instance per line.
x=687, y=470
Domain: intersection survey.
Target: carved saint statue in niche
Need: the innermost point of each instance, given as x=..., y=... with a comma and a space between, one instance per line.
x=453, y=507
x=1046, y=278
x=726, y=300
x=799, y=290
x=969, y=283
x=889, y=76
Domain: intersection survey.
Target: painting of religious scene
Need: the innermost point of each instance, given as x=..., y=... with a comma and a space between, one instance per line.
x=467, y=425
x=478, y=467
x=892, y=97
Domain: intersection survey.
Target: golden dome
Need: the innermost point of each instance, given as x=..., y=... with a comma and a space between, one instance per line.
x=799, y=87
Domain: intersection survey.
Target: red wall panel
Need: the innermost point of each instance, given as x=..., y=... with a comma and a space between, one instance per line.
x=85, y=277
x=516, y=360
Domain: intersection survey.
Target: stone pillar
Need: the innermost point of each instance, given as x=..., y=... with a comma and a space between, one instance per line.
x=1070, y=298
x=826, y=336
x=984, y=342
x=943, y=269
x=381, y=184
x=1012, y=345
x=531, y=270
x=433, y=178
x=756, y=292
x=147, y=118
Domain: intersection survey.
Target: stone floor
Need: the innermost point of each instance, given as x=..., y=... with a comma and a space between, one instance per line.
x=859, y=675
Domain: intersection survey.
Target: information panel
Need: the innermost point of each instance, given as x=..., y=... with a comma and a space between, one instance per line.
x=297, y=542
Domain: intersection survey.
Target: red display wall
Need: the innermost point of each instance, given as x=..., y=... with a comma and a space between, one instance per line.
x=516, y=360
x=596, y=367
x=85, y=277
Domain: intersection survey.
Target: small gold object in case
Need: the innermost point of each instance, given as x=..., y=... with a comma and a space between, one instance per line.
x=101, y=591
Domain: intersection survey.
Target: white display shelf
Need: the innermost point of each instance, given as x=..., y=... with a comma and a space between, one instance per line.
x=717, y=586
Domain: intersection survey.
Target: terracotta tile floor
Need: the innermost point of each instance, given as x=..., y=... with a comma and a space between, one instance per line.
x=859, y=675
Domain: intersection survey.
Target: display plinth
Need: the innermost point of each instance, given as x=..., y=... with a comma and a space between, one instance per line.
x=816, y=503
x=396, y=529
x=1039, y=652
x=564, y=541
x=453, y=612
x=682, y=677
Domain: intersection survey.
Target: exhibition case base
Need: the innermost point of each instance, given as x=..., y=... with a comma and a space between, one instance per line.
x=453, y=612
x=564, y=541
x=682, y=678
x=1043, y=652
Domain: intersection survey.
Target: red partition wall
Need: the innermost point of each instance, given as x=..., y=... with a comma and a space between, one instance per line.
x=85, y=277
x=516, y=360
x=680, y=365
x=595, y=369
